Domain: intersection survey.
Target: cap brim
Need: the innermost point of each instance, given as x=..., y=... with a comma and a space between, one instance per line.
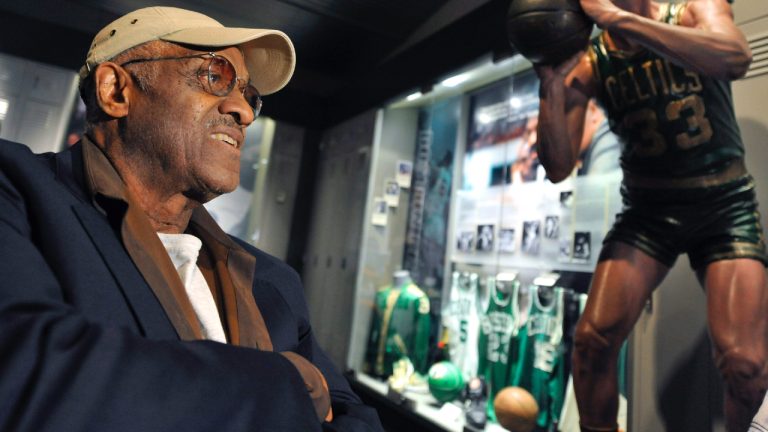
x=269, y=54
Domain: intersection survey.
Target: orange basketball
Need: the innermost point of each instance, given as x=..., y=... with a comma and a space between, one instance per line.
x=516, y=409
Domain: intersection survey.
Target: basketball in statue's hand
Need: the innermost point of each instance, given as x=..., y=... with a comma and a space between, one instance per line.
x=547, y=31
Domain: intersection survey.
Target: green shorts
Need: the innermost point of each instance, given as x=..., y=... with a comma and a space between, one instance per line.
x=708, y=223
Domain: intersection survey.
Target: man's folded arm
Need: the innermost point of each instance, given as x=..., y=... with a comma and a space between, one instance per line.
x=349, y=413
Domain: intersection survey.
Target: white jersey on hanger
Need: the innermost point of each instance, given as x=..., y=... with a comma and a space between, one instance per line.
x=461, y=318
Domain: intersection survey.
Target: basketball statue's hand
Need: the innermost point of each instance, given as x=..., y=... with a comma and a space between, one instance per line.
x=602, y=12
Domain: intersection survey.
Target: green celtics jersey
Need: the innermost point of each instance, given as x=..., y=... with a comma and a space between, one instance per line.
x=672, y=122
x=400, y=328
x=539, y=367
x=498, y=330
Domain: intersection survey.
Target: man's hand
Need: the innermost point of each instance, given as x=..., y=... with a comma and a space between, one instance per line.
x=317, y=387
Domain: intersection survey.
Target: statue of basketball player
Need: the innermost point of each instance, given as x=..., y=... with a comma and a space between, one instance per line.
x=662, y=72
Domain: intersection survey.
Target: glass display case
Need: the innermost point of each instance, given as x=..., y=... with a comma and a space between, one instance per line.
x=474, y=267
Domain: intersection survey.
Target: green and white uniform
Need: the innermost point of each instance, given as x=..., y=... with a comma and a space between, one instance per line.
x=461, y=318
x=682, y=157
x=498, y=331
x=539, y=368
x=400, y=328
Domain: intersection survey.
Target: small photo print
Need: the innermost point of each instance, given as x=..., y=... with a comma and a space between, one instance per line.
x=582, y=245
x=485, y=238
x=566, y=198
x=531, y=237
x=392, y=193
x=507, y=240
x=465, y=241
x=552, y=227
x=403, y=173
x=380, y=208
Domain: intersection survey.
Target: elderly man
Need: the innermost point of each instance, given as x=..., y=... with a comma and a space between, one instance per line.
x=662, y=72
x=123, y=306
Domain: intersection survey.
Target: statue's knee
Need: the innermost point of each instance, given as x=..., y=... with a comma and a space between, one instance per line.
x=744, y=372
x=589, y=341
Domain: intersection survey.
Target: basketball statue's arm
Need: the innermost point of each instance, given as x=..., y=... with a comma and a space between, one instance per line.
x=707, y=40
x=564, y=92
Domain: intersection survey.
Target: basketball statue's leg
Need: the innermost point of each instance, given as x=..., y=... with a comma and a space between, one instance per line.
x=623, y=281
x=737, y=311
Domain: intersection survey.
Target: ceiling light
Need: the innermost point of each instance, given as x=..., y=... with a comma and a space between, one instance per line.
x=413, y=96
x=455, y=80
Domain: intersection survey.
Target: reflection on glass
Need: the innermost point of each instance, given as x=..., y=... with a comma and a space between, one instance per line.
x=3, y=111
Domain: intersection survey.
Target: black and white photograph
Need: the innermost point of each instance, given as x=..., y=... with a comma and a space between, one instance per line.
x=392, y=193
x=403, y=173
x=465, y=241
x=552, y=227
x=582, y=245
x=485, y=238
x=507, y=240
x=531, y=237
x=380, y=209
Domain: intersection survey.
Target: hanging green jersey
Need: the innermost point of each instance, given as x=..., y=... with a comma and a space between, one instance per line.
x=498, y=330
x=540, y=367
x=399, y=328
x=672, y=122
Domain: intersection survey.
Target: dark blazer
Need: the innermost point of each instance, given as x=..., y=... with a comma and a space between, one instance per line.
x=86, y=346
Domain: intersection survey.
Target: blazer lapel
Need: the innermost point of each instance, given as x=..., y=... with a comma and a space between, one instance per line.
x=152, y=260
x=152, y=320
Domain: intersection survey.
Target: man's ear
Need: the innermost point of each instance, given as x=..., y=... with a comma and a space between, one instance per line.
x=113, y=89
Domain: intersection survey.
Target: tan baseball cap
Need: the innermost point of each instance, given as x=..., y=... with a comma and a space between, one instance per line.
x=269, y=54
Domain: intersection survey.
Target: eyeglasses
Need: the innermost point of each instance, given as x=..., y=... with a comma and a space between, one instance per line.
x=217, y=76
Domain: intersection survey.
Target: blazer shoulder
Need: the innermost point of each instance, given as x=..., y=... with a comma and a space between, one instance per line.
x=18, y=158
x=10, y=151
